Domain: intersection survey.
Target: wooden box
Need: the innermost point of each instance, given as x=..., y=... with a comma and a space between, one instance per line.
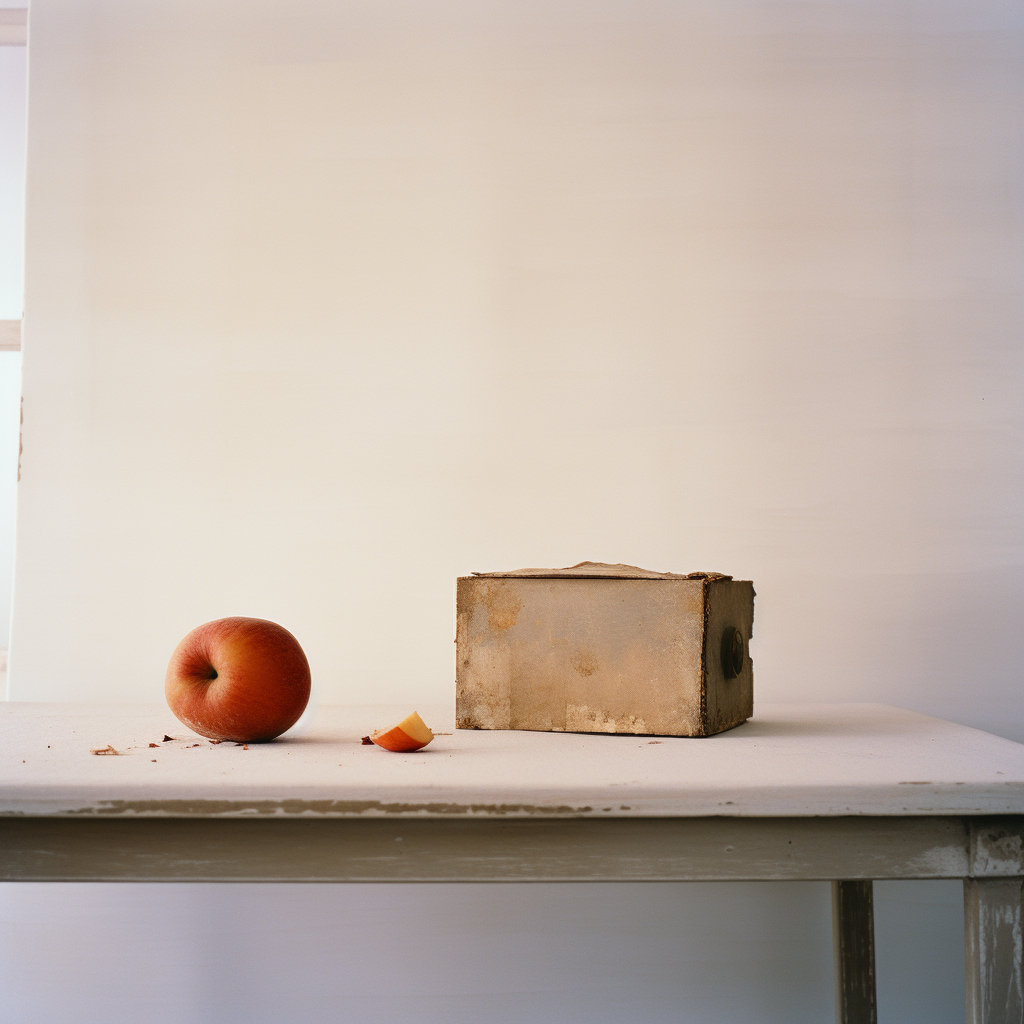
x=604, y=648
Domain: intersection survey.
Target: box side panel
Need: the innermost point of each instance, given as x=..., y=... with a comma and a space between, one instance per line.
x=581, y=655
x=729, y=701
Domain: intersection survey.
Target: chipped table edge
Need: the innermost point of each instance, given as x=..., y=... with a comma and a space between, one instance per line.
x=852, y=803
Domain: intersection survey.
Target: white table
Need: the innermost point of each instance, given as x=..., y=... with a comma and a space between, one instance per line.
x=849, y=793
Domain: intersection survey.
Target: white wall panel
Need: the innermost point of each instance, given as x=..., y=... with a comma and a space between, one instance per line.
x=13, y=79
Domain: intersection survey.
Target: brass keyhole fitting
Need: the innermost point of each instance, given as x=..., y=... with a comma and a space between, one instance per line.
x=732, y=652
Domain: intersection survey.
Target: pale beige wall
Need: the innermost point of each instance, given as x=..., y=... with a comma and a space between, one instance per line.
x=330, y=302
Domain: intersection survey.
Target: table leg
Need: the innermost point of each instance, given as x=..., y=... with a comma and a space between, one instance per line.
x=992, y=943
x=853, y=945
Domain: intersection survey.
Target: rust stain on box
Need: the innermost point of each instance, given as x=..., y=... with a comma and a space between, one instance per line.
x=604, y=648
x=503, y=606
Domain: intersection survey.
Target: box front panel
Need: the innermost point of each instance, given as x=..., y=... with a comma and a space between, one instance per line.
x=580, y=655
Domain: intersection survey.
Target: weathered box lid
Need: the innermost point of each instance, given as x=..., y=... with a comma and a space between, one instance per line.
x=605, y=571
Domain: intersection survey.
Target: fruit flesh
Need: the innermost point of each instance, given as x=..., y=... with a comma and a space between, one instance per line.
x=414, y=727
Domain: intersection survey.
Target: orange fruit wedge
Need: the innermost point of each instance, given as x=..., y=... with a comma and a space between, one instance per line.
x=409, y=734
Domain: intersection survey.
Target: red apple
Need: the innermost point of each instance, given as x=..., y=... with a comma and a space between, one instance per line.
x=238, y=679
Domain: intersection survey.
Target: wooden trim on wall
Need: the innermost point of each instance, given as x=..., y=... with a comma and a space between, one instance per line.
x=14, y=26
x=10, y=335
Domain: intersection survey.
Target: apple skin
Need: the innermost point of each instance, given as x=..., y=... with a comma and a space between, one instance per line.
x=238, y=679
x=398, y=741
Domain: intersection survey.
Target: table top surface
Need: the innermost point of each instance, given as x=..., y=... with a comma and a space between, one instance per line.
x=789, y=759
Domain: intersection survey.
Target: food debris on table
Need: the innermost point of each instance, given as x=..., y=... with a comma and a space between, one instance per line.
x=154, y=744
x=166, y=738
x=108, y=749
x=366, y=741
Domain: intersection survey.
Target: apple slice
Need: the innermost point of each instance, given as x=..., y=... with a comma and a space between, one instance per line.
x=409, y=734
